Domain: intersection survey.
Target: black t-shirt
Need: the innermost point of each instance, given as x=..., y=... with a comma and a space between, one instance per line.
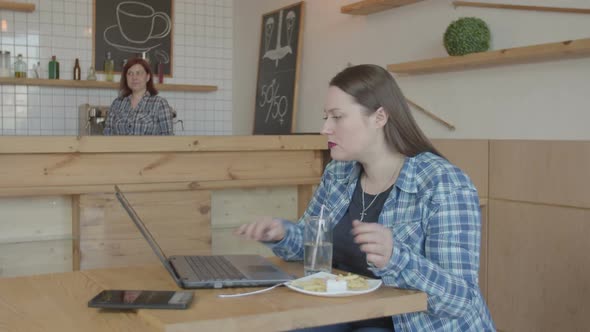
x=347, y=255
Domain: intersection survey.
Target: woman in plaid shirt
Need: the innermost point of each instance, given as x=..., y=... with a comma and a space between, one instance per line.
x=401, y=212
x=138, y=110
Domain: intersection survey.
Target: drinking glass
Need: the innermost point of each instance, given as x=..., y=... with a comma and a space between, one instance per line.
x=317, y=245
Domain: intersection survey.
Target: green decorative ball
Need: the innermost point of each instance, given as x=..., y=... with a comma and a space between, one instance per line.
x=467, y=35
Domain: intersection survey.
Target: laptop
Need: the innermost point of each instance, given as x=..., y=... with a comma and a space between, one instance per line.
x=210, y=271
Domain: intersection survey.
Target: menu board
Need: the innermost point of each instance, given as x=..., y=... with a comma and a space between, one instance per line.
x=278, y=70
x=128, y=29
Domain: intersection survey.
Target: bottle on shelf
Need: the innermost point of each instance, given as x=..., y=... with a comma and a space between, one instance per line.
x=37, y=70
x=5, y=67
x=1, y=64
x=160, y=72
x=145, y=56
x=109, y=68
x=77, y=72
x=20, y=67
x=53, y=68
x=91, y=74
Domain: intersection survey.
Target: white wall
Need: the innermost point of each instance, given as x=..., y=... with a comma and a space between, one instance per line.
x=546, y=100
x=202, y=46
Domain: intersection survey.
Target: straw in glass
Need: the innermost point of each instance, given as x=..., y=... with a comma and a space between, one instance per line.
x=321, y=226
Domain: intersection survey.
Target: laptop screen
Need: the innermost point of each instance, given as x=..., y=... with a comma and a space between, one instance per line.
x=145, y=232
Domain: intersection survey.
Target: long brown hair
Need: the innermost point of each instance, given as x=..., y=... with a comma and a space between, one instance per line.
x=124, y=90
x=373, y=87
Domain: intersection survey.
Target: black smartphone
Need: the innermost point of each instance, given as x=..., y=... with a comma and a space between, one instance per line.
x=141, y=299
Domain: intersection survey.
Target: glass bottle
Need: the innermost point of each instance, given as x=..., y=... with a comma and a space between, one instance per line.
x=5, y=68
x=37, y=70
x=77, y=72
x=53, y=68
x=109, y=68
x=20, y=67
x=91, y=74
x=160, y=72
x=146, y=57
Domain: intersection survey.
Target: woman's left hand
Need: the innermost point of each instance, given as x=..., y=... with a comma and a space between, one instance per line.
x=376, y=241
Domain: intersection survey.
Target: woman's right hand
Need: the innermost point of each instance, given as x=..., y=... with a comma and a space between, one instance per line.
x=266, y=229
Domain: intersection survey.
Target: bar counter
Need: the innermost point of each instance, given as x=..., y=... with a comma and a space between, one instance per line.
x=76, y=165
x=174, y=183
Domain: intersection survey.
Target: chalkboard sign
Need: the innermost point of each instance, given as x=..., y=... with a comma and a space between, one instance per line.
x=278, y=70
x=129, y=28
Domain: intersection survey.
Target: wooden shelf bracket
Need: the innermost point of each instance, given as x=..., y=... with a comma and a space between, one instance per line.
x=431, y=115
x=367, y=7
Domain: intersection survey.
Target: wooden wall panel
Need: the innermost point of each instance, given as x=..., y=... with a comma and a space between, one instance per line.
x=35, y=235
x=234, y=207
x=26, y=258
x=552, y=172
x=35, y=219
x=469, y=155
x=539, y=271
x=180, y=221
x=226, y=243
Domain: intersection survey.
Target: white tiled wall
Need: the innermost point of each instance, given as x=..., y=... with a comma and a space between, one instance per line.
x=203, y=32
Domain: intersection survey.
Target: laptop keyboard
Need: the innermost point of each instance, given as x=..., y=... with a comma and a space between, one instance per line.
x=214, y=268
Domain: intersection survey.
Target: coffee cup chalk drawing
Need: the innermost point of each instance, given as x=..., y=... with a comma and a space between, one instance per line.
x=130, y=28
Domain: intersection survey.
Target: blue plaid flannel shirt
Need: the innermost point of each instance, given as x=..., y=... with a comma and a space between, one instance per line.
x=152, y=116
x=433, y=212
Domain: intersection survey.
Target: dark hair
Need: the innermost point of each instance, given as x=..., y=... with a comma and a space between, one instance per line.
x=373, y=87
x=124, y=90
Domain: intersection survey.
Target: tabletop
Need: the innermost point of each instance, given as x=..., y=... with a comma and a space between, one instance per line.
x=59, y=301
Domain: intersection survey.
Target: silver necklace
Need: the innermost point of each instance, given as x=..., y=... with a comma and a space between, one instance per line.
x=364, y=211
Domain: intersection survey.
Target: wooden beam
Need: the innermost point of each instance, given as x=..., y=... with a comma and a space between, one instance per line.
x=304, y=194
x=76, y=256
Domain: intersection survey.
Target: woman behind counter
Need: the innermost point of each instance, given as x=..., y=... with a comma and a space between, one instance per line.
x=138, y=110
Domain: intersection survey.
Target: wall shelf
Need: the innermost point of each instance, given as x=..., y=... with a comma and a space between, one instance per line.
x=533, y=53
x=99, y=84
x=17, y=6
x=367, y=7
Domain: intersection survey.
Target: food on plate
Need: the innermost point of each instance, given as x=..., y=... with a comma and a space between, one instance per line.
x=333, y=285
x=339, y=283
x=312, y=285
x=355, y=282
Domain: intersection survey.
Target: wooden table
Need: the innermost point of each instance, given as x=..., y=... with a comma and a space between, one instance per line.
x=58, y=302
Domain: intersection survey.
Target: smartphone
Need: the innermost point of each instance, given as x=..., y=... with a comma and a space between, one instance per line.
x=141, y=299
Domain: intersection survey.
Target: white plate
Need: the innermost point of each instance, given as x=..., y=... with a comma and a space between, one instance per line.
x=373, y=285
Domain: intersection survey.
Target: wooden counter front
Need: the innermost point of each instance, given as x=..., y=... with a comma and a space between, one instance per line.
x=171, y=182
